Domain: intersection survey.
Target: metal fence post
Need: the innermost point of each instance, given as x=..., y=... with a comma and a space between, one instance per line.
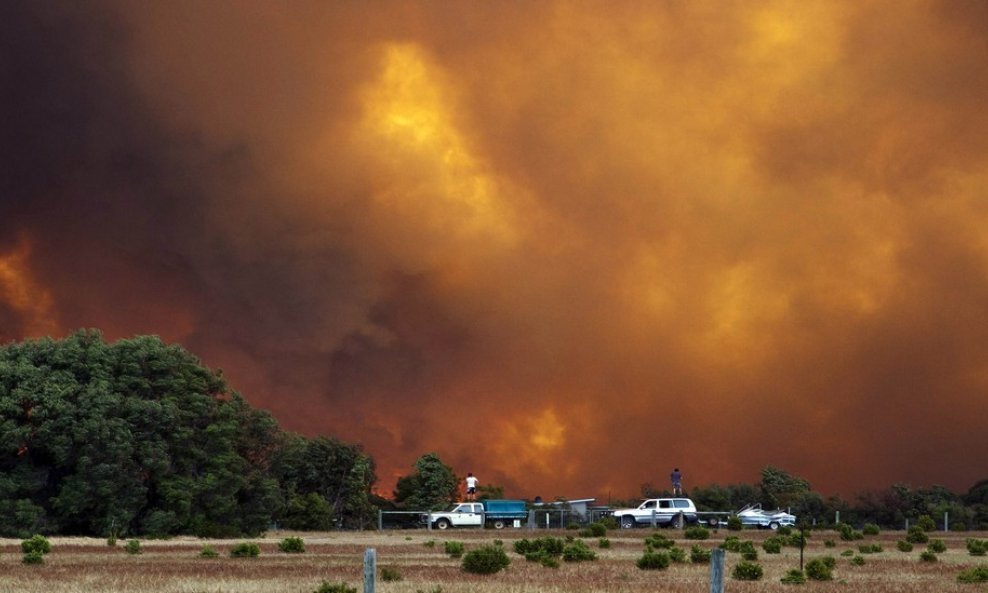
x=370, y=570
x=717, y=570
x=946, y=521
x=380, y=520
x=531, y=520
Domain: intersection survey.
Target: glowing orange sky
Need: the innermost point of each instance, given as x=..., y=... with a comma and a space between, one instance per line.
x=567, y=246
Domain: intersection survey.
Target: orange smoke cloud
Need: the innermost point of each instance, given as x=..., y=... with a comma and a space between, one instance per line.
x=568, y=247
x=30, y=303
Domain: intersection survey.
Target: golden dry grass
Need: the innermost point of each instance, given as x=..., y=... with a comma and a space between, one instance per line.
x=84, y=565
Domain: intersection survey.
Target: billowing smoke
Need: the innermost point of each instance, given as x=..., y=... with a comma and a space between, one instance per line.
x=566, y=246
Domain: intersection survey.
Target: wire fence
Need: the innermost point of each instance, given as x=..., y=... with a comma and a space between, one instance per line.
x=535, y=519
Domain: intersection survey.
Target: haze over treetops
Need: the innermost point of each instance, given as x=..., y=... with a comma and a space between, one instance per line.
x=566, y=246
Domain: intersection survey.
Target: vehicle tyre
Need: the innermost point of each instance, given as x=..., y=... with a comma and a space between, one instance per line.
x=498, y=524
x=627, y=522
x=443, y=524
x=713, y=521
x=773, y=525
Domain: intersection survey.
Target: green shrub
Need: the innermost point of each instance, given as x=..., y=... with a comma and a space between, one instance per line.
x=977, y=547
x=454, y=549
x=430, y=544
x=678, y=555
x=928, y=556
x=133, y=547
x=34, y=557
x=652, y=560
x=36, y=543
x=111, y=540
x=747, y=571
x=596, y=530
x=486, y=560
x=734, y=523
x=327, y=587
x=657, y=540
x=245, y=550
x=925, y=522
x=699, y=554
x=829, y=561
x=785, y=531
x=829, y=543
x=937, y=546
x=818, y=570
x=696, y=532
x=390, y=575
x=848, y=533
x=548, y=561
x=603, y=543
x=794, y=577
x=551, y=546
x=609, y=523
x=748, y=551
x=870, y=529
x=796, y=539
x=731, y=544
x=917, y=535
x=208, y=551
x=976, y=574
x=858, y=561
x=292, y=545
x=578, y=551
x=870, y=548
x=847, y=553
x=772, y=545
x=904, y=546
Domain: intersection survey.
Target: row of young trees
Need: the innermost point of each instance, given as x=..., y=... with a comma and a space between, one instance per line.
x=138, y=437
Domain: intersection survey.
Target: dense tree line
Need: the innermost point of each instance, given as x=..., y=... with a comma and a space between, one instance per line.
x=138, y=437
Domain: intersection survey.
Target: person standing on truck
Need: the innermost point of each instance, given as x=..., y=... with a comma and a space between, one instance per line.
x=677, y=482
x=471, y=486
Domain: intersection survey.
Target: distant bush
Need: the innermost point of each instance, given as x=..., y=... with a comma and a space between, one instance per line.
x=390, y=575
x=937, y=546
x=747, y=571
x=292, y=545
x=819, y=570
x=430, y=544
x=794, y=577
x=734, y=523
x=535, y=549
x=748, y=551
x=772, y=545
x=917, y=535
x=784, y=530
x=848, y=533
x=847, y=553
x=904, y=546
x=870, y=548
x=699, y=554
x=928, y=556
x=678, y=555
x=858, y=561
x=870, y=529
x=976, y=574
x=597, y=529
x=829, y=543
x=133, y=547
x=696, y=532
x=454, y=549
x=609, y=523
x=603, y=543
x=657, y=540
x=926, y=523
x=486, y=560
x=977, y=547
x=578, y=551
x=208, y=551
x=731, y=544
x=33, y=558
x=36, y=543
x=245, y=550
x=327, y=587
x=652, y=560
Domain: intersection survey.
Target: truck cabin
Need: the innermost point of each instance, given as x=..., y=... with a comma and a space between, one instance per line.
x=467, y=507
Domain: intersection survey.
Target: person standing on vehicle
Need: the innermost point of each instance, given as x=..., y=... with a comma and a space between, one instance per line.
x=471, y=486
x=677, y=482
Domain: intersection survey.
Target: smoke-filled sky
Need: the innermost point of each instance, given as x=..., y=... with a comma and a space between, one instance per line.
x=565, y=245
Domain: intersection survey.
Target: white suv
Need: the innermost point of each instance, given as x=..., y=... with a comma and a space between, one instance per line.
x=657, y=511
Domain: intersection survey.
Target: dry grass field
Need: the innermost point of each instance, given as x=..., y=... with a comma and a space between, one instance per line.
x=80, y=565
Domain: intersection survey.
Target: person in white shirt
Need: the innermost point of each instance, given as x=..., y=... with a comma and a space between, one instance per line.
x=471, y=486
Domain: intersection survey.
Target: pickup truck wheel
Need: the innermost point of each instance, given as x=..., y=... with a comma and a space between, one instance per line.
x=773, y=525
x=627, y=522
x=442, y=524
x=713, y=521
x=498, y=524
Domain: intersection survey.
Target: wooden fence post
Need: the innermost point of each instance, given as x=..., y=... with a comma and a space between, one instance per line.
x=717, y=570
x=370, y=570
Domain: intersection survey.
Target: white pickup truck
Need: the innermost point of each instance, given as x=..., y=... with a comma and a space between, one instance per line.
x=493, y=513
x=657, y=511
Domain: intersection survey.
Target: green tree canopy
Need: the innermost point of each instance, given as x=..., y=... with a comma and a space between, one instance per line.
x=432, y=486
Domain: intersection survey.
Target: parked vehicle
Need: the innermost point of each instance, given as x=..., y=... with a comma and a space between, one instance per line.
x=660, y=511
x=753, y=515
x=493, y=513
